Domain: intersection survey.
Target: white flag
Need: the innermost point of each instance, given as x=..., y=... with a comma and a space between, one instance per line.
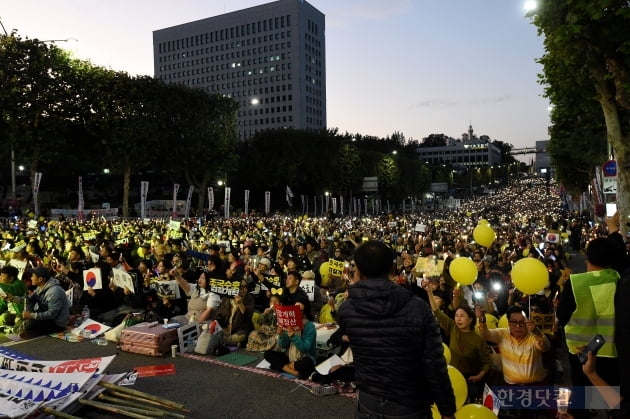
x=289, y=196
x=210, y=199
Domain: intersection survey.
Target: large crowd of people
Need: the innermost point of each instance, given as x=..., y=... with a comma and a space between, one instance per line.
x=236, y=270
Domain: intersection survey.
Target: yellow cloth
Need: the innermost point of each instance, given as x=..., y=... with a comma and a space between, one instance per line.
x=325, y=314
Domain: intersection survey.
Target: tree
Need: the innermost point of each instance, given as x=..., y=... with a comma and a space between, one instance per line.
x=34, y=98
x=506, y=152
x=125, y=112
x=434, y=140
x=388, y=175
x=589, y=44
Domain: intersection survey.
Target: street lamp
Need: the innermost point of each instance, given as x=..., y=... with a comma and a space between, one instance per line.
x=530, y=6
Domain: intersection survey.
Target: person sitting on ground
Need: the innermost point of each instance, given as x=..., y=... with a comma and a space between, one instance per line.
x=300, y=346
x=264, y=337
x=293, y=294
x=317, y=300
x=10, y=285
x=328, y=312
x=235, y=316
x=203, y=303
x=47, y=309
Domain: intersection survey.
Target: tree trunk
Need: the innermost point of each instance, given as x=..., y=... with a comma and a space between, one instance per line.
x=126, y=181
x=620, y=144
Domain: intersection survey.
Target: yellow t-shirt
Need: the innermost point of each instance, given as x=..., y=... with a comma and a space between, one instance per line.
x=522, y=360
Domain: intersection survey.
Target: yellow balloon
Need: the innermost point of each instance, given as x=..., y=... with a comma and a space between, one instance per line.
x=484, y=235
x=503, y=322
x=483, y=221
x=460, y=388
x=323, y=271
x=468, y=214
x=525, y=252
x=447, y=353
x=463, y=270
x=474, y=411
x=530, y=275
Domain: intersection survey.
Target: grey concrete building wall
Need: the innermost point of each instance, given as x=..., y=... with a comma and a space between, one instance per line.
x=270, y=58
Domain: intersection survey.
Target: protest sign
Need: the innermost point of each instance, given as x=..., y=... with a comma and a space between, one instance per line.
x=289, y=317
x=92, y=279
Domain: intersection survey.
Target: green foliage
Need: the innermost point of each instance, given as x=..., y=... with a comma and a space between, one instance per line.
x=587, y=78
x=68, y=116
x=434, y=140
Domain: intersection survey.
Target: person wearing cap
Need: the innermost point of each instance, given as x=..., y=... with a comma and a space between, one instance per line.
x=317, y=300
x=255, y=281
x=47, y=309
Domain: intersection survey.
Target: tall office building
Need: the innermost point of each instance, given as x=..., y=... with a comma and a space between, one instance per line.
x=271, y=59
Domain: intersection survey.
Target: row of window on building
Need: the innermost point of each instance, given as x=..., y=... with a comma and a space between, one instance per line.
x=177, y=76
x=265, y=110
x=448, y=158
x=237, y=31
x=235, y=46
x=265, y=121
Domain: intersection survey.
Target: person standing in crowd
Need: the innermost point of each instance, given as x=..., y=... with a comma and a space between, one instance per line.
x=586, y=309
x=622, y=311
x=398, y=354
x=470, y=354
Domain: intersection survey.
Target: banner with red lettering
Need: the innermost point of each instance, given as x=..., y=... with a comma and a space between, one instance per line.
x=289, y=317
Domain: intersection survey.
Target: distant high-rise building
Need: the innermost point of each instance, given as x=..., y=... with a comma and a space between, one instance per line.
x=469, y=151
x=271, y=59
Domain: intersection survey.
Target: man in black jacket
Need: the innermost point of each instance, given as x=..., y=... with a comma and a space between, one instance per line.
x=396, y=343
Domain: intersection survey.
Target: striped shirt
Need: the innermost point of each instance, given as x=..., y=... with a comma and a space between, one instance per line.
x=522, y=360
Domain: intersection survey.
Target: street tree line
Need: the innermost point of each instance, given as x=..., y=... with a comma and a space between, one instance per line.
x=67, y=118
x=586, y=75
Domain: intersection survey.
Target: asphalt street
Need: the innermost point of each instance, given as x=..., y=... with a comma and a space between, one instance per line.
x=207, y=390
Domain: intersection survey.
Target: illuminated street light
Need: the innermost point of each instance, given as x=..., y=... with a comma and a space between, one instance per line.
x=255, y=101
x=530, y=5
x=220, y=183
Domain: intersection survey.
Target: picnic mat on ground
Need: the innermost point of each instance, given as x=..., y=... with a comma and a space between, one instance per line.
x=237, y=358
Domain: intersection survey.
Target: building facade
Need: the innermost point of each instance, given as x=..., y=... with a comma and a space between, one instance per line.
x=271, y=59
x=470, y=151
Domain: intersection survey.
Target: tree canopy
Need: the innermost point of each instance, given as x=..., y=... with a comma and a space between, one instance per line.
x=587, y=63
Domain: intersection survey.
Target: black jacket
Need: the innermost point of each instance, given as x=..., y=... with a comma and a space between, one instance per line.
x=396, y=345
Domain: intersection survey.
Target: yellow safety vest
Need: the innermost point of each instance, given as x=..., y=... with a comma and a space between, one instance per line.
x=595, y=310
